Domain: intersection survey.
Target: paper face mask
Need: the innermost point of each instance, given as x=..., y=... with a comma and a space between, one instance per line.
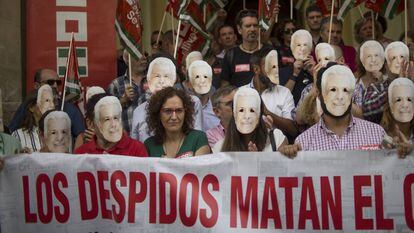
x=247, y=114
x=337, y=93
x=191, y=57
x=110, y=122
x=396, y=53
x=161, y=74
x=402, y=105
x=272, y=67
x=372, y=56
x=301, y=44
x=58, y=137
x=324, y=53
x=201, y=77
x=45, y=101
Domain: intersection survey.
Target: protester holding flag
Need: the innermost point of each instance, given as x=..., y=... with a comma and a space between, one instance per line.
x=129, y=90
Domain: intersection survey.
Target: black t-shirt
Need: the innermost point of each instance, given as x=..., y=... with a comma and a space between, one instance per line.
x=217, y=67
x=236, y=67
x=303, y=79
x=285, y=56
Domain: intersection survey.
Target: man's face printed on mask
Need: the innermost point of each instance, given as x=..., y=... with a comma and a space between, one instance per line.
x=396, y=55
x=401, y=103
x=247, y=114
x=301, y=44
x=161, y=74
x=272, y=67
x=58, y=137
x=46, y=100
x=372, y=56
x=201, y=77
x=337, y=94
x=324, y=54
x=110, y=122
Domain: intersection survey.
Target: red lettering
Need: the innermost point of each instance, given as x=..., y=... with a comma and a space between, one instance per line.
x=172, y=182
x=103, y=194
x=382, y=223
x=308, y=191
x=288, y=183
x=86, y=213
x=29, y=217
x=328, y=201
x=361, y=202
x=186, y=180
x=61, y=216
x=119, y=198
x=135, y=197
x=209, y=200
x=273, y=213
x=241, y=204
x=408, y=200
x=44, y=180
x=153, y=198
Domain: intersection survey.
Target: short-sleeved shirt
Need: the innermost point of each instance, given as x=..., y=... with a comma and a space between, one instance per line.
x=126, y=146
x=9, y=145
x=236, y=67
x=278, y=100
x=359, y=135
x=193, y=141
x=29, y=138
x=215, y=134
x=304, y=78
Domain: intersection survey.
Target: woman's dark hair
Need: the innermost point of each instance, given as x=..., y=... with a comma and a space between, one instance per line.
x=90, y=105
x=245, y=13
x=280, y=30
x=154, y=109
x=42, y=119
x=29, y=121
x=388, y=122
x=233, y=141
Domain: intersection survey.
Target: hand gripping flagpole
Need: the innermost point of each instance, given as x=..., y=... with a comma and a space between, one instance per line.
x=66, y=73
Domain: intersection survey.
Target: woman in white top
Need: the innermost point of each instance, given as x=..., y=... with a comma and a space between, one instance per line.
x=247, y=130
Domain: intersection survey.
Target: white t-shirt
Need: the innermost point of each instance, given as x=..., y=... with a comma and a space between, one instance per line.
x=277, y=133
x=279, y=100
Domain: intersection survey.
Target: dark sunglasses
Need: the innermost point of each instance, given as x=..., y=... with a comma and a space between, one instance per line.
x=52, y=82
x=289, y=31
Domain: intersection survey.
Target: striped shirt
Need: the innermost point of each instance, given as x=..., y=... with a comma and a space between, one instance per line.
x=359, y=135
x=29, y=139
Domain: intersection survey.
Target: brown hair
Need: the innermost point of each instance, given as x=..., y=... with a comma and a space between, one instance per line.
x=388, y=122
x=154, y=108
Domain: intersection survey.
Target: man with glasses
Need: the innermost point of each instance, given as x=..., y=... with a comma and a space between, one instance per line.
x=50, y=77
x=313, y=19
x=222, y=101
x=236, y=68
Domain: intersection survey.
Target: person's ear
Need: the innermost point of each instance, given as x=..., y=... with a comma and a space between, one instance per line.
x=239, y=29
x=217, y=111
x=256, y=69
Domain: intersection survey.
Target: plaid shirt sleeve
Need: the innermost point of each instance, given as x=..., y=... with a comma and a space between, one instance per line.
x=376, y=97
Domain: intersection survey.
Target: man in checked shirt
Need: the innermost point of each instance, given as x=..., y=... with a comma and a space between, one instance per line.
x=337, y=129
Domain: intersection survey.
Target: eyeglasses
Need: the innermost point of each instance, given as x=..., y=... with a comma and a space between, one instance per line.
x=289, y=31
x=52, y=82
x=170, y=111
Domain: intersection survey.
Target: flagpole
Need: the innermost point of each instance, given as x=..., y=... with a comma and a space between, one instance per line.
x=176, y=41
x=373, y=24
x=129, y=69
x=162, y=24
x=360, y=11
x=406, y=22
x=172, y=25
x=244, y=4
x=260, y=18
x=330, y=22
x=66, y=73
x=291, y=9
x=204, y=13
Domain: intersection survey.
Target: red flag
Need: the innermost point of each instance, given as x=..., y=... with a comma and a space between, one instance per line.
x=72, y=85
x=326, y=6
x=129, y=25
x=386, y=8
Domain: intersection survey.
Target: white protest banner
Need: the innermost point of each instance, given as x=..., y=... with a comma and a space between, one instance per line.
x=227, y=192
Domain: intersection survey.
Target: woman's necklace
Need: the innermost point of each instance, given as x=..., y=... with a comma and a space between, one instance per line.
x=176, y=151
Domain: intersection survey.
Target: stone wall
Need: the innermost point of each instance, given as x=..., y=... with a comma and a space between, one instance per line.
x=11, y=59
